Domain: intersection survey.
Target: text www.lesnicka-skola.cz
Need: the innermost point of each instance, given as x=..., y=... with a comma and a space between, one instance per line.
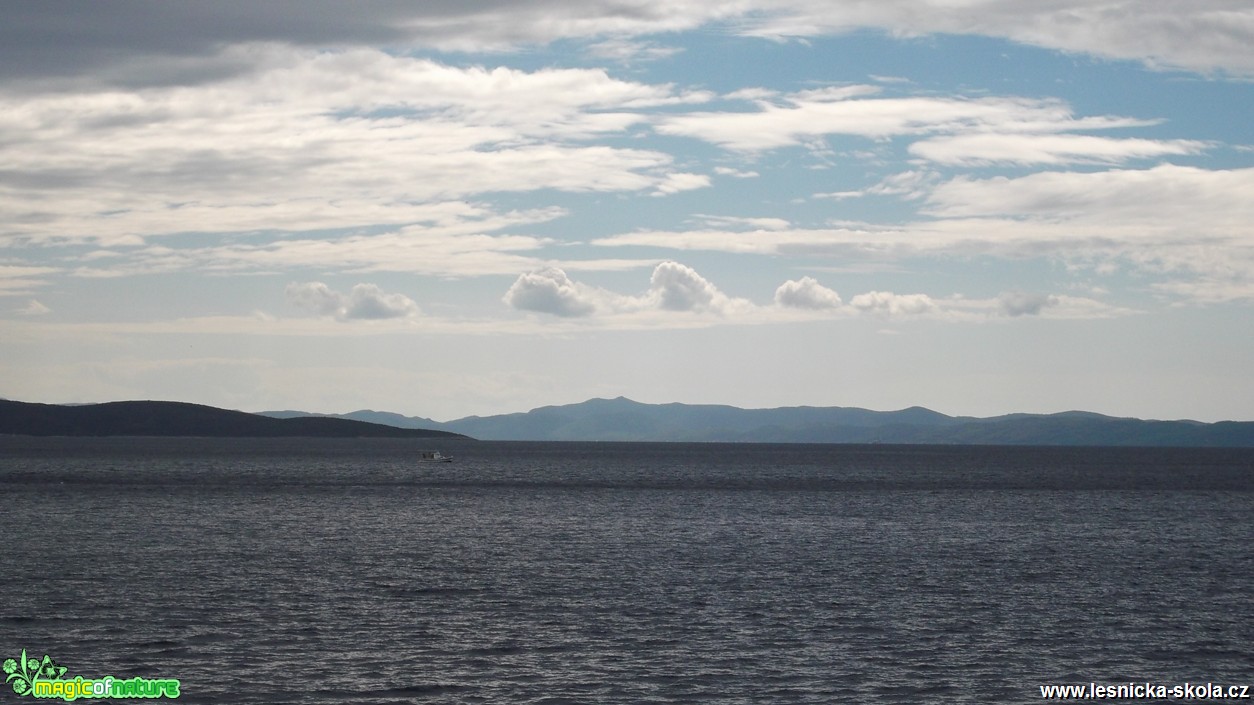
x=1148, y=691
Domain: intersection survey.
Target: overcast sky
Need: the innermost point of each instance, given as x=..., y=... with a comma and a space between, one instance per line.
x=454, y=208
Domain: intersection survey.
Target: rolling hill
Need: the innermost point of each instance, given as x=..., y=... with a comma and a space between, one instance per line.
x=165, y=418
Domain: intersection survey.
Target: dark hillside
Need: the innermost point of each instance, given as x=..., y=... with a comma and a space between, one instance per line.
x=167, y=418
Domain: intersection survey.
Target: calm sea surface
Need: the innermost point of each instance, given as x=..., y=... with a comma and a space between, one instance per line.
x=338, y=571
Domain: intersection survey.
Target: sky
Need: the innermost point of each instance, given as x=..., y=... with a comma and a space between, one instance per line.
x=445, y=209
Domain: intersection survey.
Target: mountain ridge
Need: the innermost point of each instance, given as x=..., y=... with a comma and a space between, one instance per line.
x=623, y=419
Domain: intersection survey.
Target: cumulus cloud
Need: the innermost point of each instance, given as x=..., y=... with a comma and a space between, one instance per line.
x=1019, y=303
x=888, y=303
x=362, y=302
x=672, y=287
x=678, y=287
x=550, y=291
x=806, y=293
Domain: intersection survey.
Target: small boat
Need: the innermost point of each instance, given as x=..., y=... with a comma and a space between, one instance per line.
x=433, y=456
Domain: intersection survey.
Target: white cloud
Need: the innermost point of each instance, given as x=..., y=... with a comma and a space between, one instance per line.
x=806, y=293
x=452, y=241
x=802, y=117
x=678, y=296
x=744, y=222
x=735, y=173
x=1186, y=224
x=673, y=287
x=1213, y=289
x=34, y=308
x=316, y=297
x=629, y=51
x=369, y=302
x=674, y=183
x=363, y=302
x=1020, y=303
x=1179, y=195
x=911, y=185
x=550, y=291
x=759, y=241
x=1189, y=225
x=984, y=149
x=316, y=141
x=888, y=303
x=1203, y=35
x=755, y=94
x=678, y=287
x=21, y=279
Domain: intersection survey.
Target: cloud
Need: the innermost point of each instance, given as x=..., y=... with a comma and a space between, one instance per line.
x=802, y=117
x=309, y=140
x=890, y=304
x=678, y=296
x=628, y=51
x=550, y=291
x=1019, y=303
x=674, y=183
x=735, y=173
x=453, y=240
x=1203, y=36
x=743, y=222
x=316, y=297
x=985, y=149
x=911, y=185
x=1186, y=224
x=1177, y=194
x=806, y=293
x=21, y=279
x=677, y=287
x=369, y=302
x=130, y=43
x=33, y=308
x=126, y=43
x=759, y=241
x=673, y=287
x=364, y=302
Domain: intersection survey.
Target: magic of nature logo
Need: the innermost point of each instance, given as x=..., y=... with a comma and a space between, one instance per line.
x=44, y=678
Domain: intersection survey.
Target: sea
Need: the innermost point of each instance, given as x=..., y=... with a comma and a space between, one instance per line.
x=343, y=571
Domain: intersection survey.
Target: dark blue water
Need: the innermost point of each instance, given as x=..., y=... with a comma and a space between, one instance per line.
x=298, y=571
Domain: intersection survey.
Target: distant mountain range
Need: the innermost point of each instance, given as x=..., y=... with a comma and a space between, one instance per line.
x=166, y=418
x=626, y=420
